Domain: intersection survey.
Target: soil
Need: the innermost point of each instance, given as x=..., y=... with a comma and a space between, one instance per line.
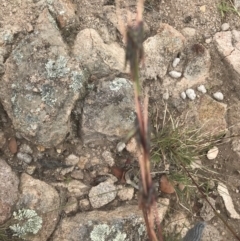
x=179, y=14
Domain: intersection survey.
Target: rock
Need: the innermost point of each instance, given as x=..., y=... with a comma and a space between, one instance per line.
x=188, y=32
x=42, y=198
x=174, y=226
x=72, y=160
x=82, y=162
x=84, y=204
x=2, y=139
x=57, y=77
x=30, y=170
x=175, y=74
x=65, y=170
x=202, y=89
x=102, y=194
x=237, y=3
x=207, y=212
x=12, y=145
x=175, y=62
x=208, y=40
x=207, y=114
x=65, y=14
x=165, y=185
x=210, y=233
x=107, y=156
x=228, y=45
x=99, y=58
x=126, y=193
x=225, y=26
x=191, y=94
x=77, y=174
x=166, y=95
x=183, y=95
x=24, y=157
x=234, y=115
x=8, y=190
x=123, y=223
x=116, y=102
x=71, y=205
x=212, y=153
x=218, y=96
x=121, y=146
x=157, y=49
x=74, y=188
x=198, y=65
x=24, y=148
x=223, y=192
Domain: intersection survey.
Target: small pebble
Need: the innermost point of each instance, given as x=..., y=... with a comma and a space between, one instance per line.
x=175, y=74
x=208, y=40
x=218, y=96
x=12, y=145
x=26, y=149
x=183, y=95
x=190, y=94
x=202, y=89
x=166, y=96
x=225, y=26
x=237, y=191
x=121, y=146
x=175, y=62
x=24, y=157
x=30, y=169
x=212, y=153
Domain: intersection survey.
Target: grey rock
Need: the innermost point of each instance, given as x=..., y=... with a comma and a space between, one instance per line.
x=123, y=223
x=125, y=193
x=99, y=58
x=77, y=174
x=44, y=199
x=24, y=148
x=72, y=160
x=41, y=61
x=188, y=32
x=71, y=205
x=211, y=233
x=157, y=49
x=198, y=65
x=74, y=188
x=107, y=156
x=8, y=190
x=109, y=112
x=102, y=194
x=24, y=157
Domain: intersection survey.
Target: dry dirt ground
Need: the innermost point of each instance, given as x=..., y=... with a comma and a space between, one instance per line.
x=205, y=18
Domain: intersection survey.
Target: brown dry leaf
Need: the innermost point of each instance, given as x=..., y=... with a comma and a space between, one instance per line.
x=12, y=145
x=165, y=185
x=117, y=172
